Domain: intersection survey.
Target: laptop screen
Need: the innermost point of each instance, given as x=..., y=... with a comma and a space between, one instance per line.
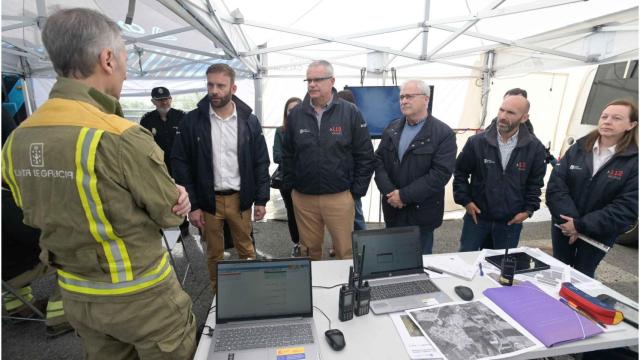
x=260, y=289
x=388, y=252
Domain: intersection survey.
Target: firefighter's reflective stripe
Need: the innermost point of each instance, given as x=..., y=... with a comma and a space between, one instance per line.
x=77, y=284
x=8, y=174
x=11, y=302
x=99, y=225
x=55, y=309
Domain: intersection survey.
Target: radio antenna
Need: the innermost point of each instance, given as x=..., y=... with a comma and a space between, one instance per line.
x=361, y=267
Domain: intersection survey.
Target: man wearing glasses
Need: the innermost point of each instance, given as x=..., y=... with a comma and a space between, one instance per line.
x=327, y=161
x=415, y=160
x=163, y=123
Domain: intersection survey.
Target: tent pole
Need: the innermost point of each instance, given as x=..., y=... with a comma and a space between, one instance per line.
x=487, y=73
x=257, y=86
x=425, y=28
x=258, y=82
x=29, y=97
x=27, y=87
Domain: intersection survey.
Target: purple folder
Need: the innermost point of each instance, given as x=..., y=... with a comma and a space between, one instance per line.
x=546, y=318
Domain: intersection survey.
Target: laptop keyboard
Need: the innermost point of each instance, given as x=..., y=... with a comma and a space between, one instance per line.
x=263, y=337
x=390, y=291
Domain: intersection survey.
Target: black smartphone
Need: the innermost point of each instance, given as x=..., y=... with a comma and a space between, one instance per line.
x=630, y=313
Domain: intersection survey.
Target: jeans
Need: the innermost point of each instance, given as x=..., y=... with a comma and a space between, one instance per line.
x=358, y=223
x=473, y=235
x=426, y=239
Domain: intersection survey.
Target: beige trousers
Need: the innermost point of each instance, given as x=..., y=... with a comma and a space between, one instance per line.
x=154, y=324
x=314, y=212
x=227, y=209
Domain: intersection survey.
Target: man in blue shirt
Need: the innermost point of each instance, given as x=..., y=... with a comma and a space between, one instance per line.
x=415, y=160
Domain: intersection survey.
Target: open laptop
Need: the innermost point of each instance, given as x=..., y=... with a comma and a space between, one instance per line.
x=264, y=310
x=393, y=266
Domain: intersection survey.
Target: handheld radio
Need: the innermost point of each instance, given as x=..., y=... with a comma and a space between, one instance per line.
x=508, y=269
x=363, y=292
x=346, y=299
x=363, y=297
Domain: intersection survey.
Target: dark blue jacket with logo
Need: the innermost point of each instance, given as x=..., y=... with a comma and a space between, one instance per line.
x=500, y=194
x=602, y=206
x=335, y=158
x=421, y=176
x=192, y=158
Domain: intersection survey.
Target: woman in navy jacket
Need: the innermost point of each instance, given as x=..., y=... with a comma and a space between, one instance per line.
x=594, y=188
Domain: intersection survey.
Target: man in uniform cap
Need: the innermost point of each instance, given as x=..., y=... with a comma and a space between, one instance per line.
x=163, y=123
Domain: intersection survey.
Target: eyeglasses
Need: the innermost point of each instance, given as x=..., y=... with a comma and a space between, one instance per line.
x=409, y=96
x=317, y=80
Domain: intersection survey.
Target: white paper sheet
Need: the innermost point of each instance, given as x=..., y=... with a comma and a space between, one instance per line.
x=418, y=347
x=454, y=265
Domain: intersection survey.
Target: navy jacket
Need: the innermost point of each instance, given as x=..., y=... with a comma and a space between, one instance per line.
x=164, y=132
x=335, y=158
x=421, y=176
x=499, y=194
x=192, y=158
x=602, y=206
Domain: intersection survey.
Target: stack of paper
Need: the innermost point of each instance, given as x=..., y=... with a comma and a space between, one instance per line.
x=546, y=318
x=453, y=265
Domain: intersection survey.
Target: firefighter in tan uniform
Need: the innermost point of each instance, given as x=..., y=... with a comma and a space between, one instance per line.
x=96, y=186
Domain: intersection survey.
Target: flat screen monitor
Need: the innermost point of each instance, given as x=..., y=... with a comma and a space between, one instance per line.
x=380, y=105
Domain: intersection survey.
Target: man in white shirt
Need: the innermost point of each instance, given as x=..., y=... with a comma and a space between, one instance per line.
x=221, y=157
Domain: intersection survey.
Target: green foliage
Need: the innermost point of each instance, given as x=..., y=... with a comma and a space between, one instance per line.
x=135, y=107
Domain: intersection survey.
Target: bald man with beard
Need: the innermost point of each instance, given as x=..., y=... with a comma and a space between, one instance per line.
x=498, y=178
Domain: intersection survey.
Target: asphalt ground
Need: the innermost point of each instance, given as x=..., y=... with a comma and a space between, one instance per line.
x=27, y=340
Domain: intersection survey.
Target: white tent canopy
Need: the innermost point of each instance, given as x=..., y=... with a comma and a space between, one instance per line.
x=171, y=40
x=470, y=50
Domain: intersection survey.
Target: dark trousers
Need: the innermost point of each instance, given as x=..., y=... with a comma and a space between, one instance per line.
x=291, y=216
x=426, y=238
x=184, y=227
x=474, y=235
x=580, y=255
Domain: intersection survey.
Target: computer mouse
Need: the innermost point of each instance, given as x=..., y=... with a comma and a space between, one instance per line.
x=335, y=338
x=464, y=292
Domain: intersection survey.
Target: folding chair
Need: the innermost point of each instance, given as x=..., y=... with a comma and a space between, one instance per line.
x=41, y=317
x=171, y=237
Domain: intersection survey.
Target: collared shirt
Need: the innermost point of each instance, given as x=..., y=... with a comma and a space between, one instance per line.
x=601, y=156
x=224, y=140
x=322, y=110
x=409, y=132
x=506, y=148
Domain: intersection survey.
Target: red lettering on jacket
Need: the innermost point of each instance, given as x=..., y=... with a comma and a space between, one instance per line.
x=615, y=174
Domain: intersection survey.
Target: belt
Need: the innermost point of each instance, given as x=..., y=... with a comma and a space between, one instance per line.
x=226, y=192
